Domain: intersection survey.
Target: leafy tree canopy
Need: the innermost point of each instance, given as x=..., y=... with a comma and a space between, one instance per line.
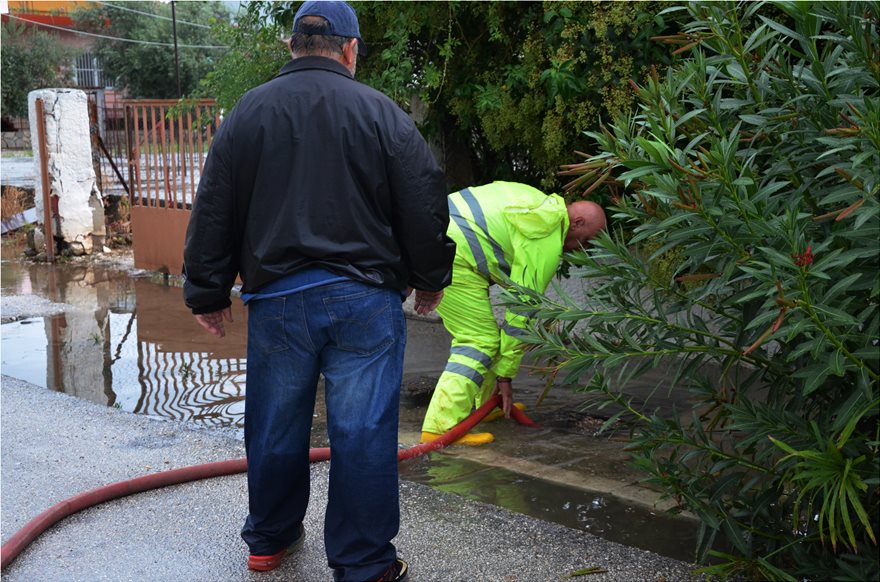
x=31, y=59
x=505, y=89
x=148, y=71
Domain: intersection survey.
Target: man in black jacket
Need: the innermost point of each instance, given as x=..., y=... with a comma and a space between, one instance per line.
x=323, y=196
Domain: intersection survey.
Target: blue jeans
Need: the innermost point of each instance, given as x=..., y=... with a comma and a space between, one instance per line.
x=354, y=335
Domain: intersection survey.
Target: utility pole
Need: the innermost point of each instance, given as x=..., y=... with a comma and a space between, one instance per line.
x=176, y=57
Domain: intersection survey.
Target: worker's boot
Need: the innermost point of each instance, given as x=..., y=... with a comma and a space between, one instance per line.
x=469, y=440
x=498, y=413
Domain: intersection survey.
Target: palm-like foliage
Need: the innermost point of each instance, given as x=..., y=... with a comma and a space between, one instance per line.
x=751, y=172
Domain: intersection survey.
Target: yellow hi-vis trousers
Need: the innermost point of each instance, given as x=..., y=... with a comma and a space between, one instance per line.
x=467, y=380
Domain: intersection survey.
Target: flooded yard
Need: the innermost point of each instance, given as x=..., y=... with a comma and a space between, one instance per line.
x=126, y=340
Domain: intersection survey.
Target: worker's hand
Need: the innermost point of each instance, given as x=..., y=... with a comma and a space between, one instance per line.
x=504, y=386
x=427, y=301
x=213, y=322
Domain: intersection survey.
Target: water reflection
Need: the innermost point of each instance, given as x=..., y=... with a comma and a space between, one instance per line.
x=131, y=343
x=128, y=343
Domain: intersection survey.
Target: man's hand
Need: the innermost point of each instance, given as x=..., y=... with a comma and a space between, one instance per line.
x=504, y=386
x=213, y=322
x=427, y=301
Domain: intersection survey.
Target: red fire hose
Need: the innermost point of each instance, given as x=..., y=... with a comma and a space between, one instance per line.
x=27, y=534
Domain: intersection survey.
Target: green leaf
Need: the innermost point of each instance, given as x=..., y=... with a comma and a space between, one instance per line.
x=859, y=509
x=639, y=172
x=735, y=535
x=771, y=188
x=771, y=572
x=757, y=38
x=776, y=257
x=853, y=422
x=754, y=119
x=840, y=287
x=836, y=363
x=687, y=117
x=586, y=571
x=815, y=381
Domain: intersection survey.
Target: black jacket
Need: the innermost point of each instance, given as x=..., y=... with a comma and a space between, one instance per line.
x=316, y=169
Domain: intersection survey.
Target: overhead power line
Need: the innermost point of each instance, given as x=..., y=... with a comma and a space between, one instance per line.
x=117, y=38
x=152, y=15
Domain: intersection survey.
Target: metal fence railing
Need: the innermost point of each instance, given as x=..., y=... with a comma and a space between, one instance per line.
x=168, y=142
x=109, y=149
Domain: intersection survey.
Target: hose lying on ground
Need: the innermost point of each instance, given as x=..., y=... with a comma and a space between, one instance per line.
x=27, y=534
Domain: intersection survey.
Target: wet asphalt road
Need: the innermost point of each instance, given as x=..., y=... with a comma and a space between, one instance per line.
x=55, y=446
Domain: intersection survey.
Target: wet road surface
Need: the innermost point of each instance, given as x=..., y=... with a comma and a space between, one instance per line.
x=126, y=340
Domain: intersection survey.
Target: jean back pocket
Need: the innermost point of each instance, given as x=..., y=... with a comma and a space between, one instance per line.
x=362, y=321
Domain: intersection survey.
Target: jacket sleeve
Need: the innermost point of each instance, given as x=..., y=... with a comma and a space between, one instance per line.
x=534, y=264
x=420, y=211
x=210, y=256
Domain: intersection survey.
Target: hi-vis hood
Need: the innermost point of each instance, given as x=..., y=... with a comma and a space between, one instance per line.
x=537, y=221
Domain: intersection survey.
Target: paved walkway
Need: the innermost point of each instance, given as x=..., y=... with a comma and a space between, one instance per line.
x=54, y=446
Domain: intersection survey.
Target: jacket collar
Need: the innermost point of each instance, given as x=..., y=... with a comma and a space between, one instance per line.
x=312, y=63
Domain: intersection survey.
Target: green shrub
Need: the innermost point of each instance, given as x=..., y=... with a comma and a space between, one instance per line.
x=755, y=160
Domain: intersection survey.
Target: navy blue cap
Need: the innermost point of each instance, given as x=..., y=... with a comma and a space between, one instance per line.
x=340, y=16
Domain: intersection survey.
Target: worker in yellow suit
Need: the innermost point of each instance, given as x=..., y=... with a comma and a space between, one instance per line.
x=502, y=231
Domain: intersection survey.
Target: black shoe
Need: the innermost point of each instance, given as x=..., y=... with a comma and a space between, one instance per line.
x=398, y=572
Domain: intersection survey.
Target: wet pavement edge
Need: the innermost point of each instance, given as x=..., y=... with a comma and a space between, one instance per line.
x=55, y=446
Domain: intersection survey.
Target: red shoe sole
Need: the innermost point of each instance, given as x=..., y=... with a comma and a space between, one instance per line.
x=265, y=563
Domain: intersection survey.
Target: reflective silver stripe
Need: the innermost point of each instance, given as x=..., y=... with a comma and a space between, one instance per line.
x=472, y=353
x=480, y=219
x=513, y=331
x=471, y=238
x=465, y=371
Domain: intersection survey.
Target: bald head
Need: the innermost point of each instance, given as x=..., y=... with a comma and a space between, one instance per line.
x=585, y=220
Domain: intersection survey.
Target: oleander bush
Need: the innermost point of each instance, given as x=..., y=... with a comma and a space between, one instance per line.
x=753, y=161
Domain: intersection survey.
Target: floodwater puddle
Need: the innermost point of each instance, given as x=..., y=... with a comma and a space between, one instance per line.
x=601, y=515
x=129, y=342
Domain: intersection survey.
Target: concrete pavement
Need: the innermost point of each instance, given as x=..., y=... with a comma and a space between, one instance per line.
x=55, y=446
x=18, y=170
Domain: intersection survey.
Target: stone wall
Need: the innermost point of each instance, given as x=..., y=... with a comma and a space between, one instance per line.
x=16, y=140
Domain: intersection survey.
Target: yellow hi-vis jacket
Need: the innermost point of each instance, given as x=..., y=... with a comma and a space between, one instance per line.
x=506, y=230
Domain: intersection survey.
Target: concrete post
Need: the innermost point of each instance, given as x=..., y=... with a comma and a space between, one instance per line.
x=76, y=199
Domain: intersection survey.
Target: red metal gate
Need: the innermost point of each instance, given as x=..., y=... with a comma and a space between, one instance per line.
x=167, y=144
